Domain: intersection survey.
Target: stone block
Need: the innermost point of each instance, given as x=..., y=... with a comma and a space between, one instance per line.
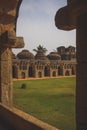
x=19, y=42
x=8, y=39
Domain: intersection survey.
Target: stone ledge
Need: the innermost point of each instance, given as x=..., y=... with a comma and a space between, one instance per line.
x=21, y=120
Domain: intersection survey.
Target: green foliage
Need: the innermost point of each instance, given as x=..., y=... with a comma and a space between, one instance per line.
x=50, y=100
x=40, y=48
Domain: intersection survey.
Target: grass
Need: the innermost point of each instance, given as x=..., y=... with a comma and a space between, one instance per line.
x=50, y=100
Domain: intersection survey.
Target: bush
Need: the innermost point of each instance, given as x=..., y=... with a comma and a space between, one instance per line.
x=23, y=86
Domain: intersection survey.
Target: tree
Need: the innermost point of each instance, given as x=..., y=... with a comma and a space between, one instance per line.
x=40, y=48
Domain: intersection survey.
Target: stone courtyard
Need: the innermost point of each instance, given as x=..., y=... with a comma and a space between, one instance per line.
x=72, y=16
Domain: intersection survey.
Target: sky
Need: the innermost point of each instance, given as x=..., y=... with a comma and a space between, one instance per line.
x=36, y=24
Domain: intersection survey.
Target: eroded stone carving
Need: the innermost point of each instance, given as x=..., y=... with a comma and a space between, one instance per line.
x=8, y=17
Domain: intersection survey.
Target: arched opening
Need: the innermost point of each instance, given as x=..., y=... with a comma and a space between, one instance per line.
x=67, y=73
x=23, y=75
x=39, y=74
x=54, y=74
x=73, y=70
x=47, y=71
x=30, y=72
x=60, y=71
x=14, y=71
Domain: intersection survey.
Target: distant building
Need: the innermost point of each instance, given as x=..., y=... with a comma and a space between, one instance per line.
x=60, y=63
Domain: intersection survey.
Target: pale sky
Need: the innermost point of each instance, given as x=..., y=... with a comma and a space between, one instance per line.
x=36, y=24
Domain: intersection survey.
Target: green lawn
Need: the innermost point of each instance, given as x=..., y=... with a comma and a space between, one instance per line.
x=51, y=100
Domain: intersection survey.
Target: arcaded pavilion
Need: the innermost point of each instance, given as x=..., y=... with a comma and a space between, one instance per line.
x=59, y=63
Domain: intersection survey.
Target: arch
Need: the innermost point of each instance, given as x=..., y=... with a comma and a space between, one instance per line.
x=54, y=73
x=67, y=73
x=73, y=70
x=47, y=71
x=39, y=74
x=30, y=72
x=14, y=71
x=23, y=75
x=60, y=71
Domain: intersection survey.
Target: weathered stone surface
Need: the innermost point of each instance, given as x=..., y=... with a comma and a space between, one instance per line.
x=19, y=42
x=8, y=19
x=5, y=76
x=8, y=39
x=76, y=18
x=66, y=17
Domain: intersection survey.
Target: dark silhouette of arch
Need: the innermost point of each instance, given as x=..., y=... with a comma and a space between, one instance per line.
x=54, y=74
x=73, y=71
x=14, y=72
x=47, y=71
x=60, y=71
x=31, y=72
x=23, y=75
x=39, y=74
x=67, y=73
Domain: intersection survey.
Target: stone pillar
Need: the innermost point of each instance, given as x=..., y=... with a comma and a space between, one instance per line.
x=76, y=18
x=6, y=76
x=81, y=87
x=8, y=19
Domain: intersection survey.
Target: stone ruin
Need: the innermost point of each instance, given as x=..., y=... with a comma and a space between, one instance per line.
x=8, y=40
x=72, y=16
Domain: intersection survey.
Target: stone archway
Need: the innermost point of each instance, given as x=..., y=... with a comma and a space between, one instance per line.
x=54, y=74
x=47, y=71
x=39, y=74
x=14, y=71
x=60, y=71
x=74, y=15
x=30, y=71
x=67, y=73
x=23, y=75
x=73, y=70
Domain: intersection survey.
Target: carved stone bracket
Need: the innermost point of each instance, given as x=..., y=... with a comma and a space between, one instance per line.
x=66, y=17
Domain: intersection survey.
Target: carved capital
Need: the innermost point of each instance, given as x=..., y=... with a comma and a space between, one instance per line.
x=66, y=17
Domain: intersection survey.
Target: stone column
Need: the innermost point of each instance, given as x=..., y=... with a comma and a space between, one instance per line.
x=8, y=19
x=81, y=87
x=6, y=76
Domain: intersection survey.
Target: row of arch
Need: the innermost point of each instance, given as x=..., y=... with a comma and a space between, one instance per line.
x=39, y=71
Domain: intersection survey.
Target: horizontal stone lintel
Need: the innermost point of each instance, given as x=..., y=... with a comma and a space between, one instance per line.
x=66, y=17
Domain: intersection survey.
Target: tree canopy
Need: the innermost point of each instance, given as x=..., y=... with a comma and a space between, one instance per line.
x=40, y=48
